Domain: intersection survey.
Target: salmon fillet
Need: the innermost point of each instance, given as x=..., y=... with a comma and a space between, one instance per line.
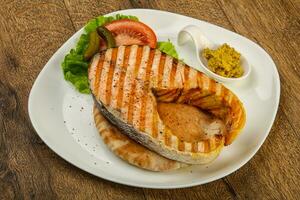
x=128, y=83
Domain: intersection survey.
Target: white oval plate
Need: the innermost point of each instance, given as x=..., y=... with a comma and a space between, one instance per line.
x=63, y=118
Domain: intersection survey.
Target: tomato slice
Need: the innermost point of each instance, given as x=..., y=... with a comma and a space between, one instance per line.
x=129, y=32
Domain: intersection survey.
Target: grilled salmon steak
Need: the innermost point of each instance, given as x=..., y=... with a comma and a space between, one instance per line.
x=129, y=150
x=164, y=104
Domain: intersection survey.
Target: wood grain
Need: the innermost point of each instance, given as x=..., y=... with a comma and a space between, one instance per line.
x=31, y=31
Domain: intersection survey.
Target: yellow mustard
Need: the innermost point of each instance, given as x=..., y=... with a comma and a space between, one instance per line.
x=225, y=61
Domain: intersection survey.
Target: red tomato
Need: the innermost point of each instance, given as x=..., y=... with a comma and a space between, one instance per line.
x=129, y=32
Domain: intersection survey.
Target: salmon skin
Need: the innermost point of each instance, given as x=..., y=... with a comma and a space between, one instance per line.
x=127, y=83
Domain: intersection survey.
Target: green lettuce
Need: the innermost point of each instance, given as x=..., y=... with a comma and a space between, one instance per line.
x=75, y=67
x=168, y=48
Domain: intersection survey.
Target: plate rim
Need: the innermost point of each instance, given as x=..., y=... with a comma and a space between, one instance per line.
x=69, y=159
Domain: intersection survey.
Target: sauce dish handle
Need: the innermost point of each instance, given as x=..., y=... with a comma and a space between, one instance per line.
x=195, y=34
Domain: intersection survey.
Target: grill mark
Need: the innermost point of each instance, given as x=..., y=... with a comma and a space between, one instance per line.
x=139, y=160
x=237, y=114
x=180, y=145
x=167, y=71
x=212, y=144
x=142, y=119
x=102, y=126
x=179, y=76
x=180, y=90
x=155, y=122
x=127, y=82
x=199, y=79
x=92, y=68
x=104, y=132
x=161, y=92
x=188, y=146
x=199, y=101
x=116, y=75
x=197, y=95
x=144, y=98
x=205, y=82
x=161, y=69
x=103, y=76
x=239, y=118
x=122, y=77
x=154, y=68
x=140, y=87
x=174, y=141
x=223, y=96
x=97, y=115
x=171, y=93
x=219, y=90
x=165, y=92
x=212, y=86
x=188, y=94
x=121, y=146
x=200, y=146
x=97, y=75
x=133, y=84
x=218, y=140
x=98, y=119
x=206, y=146
x=234, y=103
x=110, y=75
x=193, y=78
x=167, y=137
x=149, y=115
x=208, y=102
x=173, y=73
x=186, y=76
x=194, y=147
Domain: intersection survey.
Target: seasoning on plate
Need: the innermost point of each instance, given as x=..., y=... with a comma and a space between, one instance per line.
x=224, y=61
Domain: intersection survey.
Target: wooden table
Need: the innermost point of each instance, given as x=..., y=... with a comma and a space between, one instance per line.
x=30, y=32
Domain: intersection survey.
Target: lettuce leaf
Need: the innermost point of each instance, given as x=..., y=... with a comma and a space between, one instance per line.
x=74, y=67
x=168, y=48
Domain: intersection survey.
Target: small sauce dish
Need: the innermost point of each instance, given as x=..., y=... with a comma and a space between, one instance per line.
x=194, y=34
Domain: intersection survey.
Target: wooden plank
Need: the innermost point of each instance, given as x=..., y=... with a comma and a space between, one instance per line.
x=30, y=33
x=215, y=190
x=201, y=9
x=82, y=11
